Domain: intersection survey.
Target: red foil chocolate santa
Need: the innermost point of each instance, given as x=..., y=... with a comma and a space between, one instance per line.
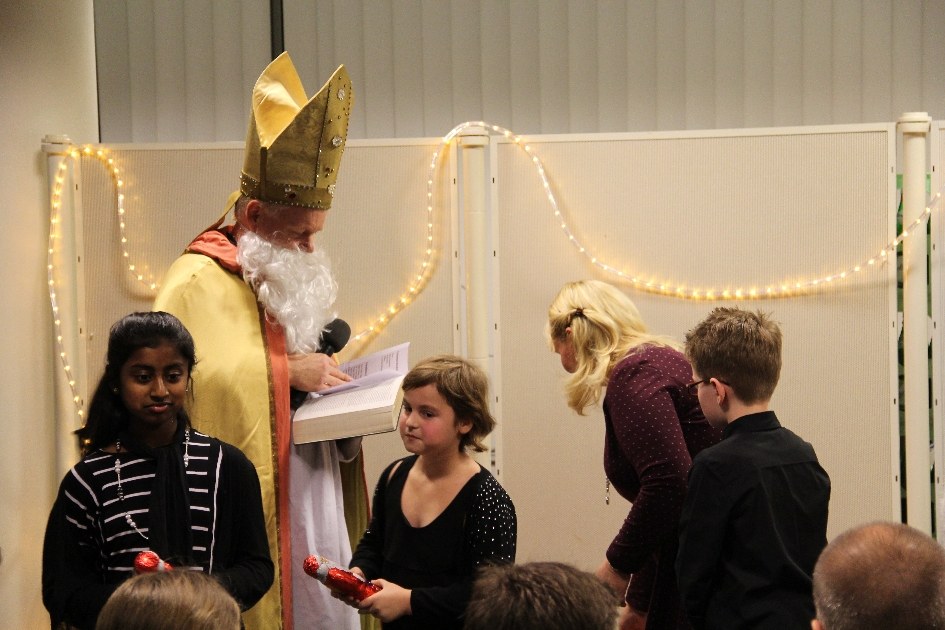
x=338, y=579
x=150, y=562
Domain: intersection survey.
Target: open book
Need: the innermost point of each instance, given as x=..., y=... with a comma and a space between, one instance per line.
x=369, y=403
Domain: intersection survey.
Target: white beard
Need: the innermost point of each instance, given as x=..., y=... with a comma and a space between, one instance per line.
x=296, y=288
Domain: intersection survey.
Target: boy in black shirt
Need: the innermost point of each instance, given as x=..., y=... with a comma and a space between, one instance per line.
x=755, y=516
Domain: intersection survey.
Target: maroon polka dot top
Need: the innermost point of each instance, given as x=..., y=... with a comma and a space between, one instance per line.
x=654, y=428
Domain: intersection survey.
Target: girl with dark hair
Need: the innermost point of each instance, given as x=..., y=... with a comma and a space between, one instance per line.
x=148, y=481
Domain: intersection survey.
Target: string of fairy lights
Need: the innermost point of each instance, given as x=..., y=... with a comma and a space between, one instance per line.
x=74, y=153
x=418, y=280
x=639, y=281
x=59, y=180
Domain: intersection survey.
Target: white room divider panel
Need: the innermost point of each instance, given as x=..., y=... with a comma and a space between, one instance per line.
x=724, y=210
x=720, y=210
x=937, y=332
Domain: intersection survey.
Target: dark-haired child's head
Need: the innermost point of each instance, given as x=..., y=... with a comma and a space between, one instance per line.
x=540, y=596
x=147, y=329
x=109, y=412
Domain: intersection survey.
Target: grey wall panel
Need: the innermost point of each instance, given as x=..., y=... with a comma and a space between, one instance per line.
x=113, y=63
x=670, y=93
x=877, y=72
x=787, y=64
x=496, y=70
x=556, y=66
x=467, y=72
x=758, y=36
x=906, y=53
x=700, y=71
x=933, y=51
x=407, y=78
x=177, y=71
x=524, y=62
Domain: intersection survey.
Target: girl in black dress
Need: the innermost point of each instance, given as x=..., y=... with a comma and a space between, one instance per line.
x=438, y=515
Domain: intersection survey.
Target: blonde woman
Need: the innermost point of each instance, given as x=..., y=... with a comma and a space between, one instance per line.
x=654, y=427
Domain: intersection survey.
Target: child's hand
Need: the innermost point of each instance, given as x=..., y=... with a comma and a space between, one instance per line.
x=351, y=601
x=392, y=602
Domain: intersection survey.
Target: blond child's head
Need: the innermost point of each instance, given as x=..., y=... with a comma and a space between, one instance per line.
x=170, y=600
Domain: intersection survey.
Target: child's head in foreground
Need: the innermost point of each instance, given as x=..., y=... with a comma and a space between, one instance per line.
x=540, y=596
x=170, y=600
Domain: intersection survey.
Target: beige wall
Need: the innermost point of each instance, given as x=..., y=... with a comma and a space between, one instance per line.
x=47, y=85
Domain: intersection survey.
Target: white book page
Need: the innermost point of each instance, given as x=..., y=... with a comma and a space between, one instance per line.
x=372, y=369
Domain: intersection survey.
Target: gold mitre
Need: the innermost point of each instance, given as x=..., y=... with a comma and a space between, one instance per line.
x=294, y=145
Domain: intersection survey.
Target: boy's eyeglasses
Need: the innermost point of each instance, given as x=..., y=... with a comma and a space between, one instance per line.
x=693, y=387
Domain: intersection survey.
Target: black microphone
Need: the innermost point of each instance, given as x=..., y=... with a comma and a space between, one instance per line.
x=335, y=336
